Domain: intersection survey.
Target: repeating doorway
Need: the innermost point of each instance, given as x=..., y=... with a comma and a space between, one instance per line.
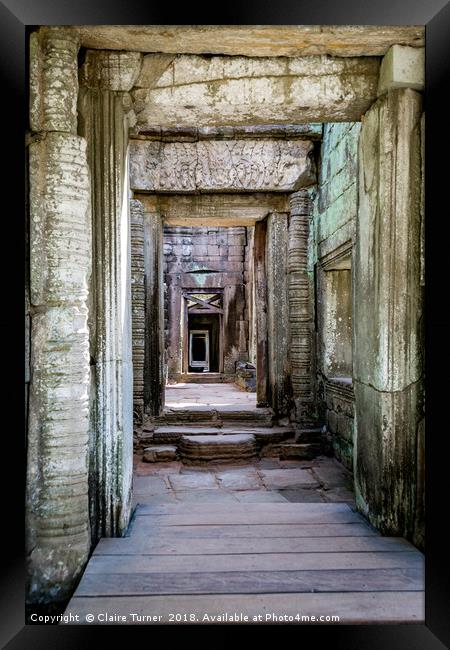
x=203, y=332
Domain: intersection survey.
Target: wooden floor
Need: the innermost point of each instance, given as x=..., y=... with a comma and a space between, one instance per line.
x=191, y=563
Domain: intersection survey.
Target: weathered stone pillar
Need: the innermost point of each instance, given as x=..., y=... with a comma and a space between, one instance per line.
x=278, y=313
x=387, y=358
x=154, y=371
x=58, y=533
x=260, y=275
x=300, y=310
x=106, y=77
x=138, y=306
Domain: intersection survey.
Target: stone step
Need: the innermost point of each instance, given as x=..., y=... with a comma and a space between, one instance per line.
x=206, y=416
x=308, y=435
x=292, y=451
x=206, y=378
x=159, y=453
x=217, y=448
x=263, y=435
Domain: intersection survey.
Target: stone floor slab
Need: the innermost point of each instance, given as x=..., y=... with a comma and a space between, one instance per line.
x=277, y=479
x=208, y=395
x=268, y=463
x=194, y=481
x=164, y=497
x=243, y=479
x=206, y=496
x=149, y=485
x=292, y=464
x=338, y=494
x=259, y=496
x=332, y=475
x=302, y=495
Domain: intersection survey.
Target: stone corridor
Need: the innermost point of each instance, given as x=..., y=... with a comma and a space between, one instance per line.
x=224, y=321
x=247, y=541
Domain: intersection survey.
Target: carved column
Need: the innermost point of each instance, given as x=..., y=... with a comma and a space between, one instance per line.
x=154, y=372
x=278, y=313
x=106, y=78
x=300, y=312
x=138, y=306
x=260, y=275
x=58, y=533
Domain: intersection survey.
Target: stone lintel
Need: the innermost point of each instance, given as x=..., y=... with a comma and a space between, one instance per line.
x=214, y=209
x=221, y=166
x=193, y=134
x=220, y=91
x=256, y=41
x=402, y=67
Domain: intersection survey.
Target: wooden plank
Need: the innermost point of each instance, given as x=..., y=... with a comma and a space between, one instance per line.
x=222, y=517
x=142, y=531
x=206, y=546
x=351, y=608
x=241, y=507
x=236, y=582
x=252, y=562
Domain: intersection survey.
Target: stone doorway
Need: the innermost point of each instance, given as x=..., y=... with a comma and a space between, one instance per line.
x=309, y=176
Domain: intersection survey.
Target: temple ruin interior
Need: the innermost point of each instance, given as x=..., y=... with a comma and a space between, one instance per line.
x=224, y=318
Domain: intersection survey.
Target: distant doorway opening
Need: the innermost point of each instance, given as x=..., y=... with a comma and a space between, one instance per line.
x=203, y=332
x=199, y=350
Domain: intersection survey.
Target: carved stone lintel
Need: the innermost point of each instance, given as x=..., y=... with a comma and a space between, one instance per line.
x=221, y=165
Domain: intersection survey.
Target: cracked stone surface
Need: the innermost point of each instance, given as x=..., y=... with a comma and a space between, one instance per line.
x=258, y=481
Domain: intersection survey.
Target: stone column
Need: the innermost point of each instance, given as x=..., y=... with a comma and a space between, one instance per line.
x=106, y=77
x=260, y=279
x=154, y=371
x=57, y=508
x=300, y=310
x=278, y=313
x=388, y=357
x=138, y=306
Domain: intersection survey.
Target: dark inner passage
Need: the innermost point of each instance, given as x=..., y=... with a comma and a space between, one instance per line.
x=209, y=323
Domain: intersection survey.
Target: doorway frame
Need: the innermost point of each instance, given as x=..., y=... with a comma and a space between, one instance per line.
x=199, y=364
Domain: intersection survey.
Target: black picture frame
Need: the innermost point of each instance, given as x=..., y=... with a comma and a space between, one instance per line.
x=16, y=19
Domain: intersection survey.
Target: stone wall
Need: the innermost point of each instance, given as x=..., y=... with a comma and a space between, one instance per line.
x=330, y=257
x=206, y=258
